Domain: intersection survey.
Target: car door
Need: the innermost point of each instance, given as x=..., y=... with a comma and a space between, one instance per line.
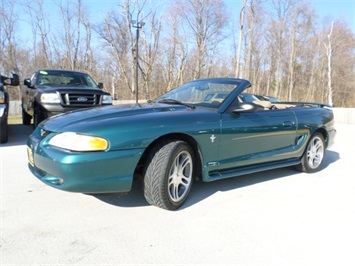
x=249, y=138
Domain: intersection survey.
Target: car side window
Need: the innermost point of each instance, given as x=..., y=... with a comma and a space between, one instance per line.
x=260, y=105
x=263, y=105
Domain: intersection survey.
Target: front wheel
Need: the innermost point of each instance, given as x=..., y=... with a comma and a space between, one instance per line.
x=312, y=159
x=168, y=174
x=26, y=118
x=37, y=118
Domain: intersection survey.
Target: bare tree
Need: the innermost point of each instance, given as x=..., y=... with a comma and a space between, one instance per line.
x=277, y=39
x=40, y=26
x=116, y=31
x=150, y=47
x=88, y=58
x=338, y=63
x=10, y=49
x=240, y=39
x=300, y=27
x=205, y=22
x=281, y=50
x=251, y=41
x=175, y=49
x=254, y=43
x=8, y=43
x=68, y=44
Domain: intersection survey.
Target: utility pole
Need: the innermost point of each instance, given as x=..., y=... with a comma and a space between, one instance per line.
x=138, y=26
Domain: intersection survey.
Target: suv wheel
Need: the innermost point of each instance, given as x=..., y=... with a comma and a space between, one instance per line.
x=36, y=119
x=26, y=118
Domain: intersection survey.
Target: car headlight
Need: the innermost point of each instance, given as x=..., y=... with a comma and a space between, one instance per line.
x=2, y=97
x=78, y=142
x=49, y=98
x=106, y=99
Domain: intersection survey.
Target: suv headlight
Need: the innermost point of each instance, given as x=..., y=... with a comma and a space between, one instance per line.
x=77, y=142
x=106, y=99
x=2, y=97
x=49, y=98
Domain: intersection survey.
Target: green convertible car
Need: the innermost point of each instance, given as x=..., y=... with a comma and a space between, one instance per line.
x=200, y=131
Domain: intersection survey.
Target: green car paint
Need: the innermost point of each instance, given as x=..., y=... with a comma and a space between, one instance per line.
x=227, y=140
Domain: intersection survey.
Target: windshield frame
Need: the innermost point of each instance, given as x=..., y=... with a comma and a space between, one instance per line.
x=210, y=93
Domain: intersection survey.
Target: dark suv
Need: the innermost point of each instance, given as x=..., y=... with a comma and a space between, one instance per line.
x=49, y=92
x=4, y=104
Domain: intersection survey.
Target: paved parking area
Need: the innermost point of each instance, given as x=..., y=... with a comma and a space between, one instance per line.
x=279, y=217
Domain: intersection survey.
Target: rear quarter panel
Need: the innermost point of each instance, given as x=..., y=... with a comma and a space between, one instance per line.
x=312, y=119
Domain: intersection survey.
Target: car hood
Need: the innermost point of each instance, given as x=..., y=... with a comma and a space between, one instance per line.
x=48, y=89
x=95, y=120
x=133, y=126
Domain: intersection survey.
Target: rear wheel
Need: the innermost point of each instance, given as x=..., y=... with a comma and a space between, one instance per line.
x=312, y=159
x=168, y=175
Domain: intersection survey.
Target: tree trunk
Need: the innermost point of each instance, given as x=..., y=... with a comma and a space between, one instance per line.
x=241, y=32
x=329, y=51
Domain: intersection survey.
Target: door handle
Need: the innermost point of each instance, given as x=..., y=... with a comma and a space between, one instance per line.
x=288, y=124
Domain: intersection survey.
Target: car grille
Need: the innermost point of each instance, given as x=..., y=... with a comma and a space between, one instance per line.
x=80, y=99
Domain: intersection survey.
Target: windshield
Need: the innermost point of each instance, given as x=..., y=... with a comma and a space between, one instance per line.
x=209, y=93
x=64, y=78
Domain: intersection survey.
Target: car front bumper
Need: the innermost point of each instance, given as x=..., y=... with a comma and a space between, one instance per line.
x=89, y=172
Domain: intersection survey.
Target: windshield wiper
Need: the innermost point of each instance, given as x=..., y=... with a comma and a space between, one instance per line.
x=172, y=101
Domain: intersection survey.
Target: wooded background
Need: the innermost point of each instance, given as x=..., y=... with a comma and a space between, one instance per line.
x=279, y=45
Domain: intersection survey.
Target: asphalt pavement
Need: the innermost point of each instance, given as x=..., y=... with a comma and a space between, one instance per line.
x=278, y=217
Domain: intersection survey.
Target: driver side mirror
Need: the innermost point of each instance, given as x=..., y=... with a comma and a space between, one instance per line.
x=246, y=108
x=15, y=80
x=100, y=85
x=27, y=82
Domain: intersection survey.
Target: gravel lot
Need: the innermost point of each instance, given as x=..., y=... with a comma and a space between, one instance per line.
x=279, y=217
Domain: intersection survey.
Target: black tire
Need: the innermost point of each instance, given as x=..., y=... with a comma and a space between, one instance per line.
x=26, y=118
x=168, y=174
x=313, y=156
x=37, y=118
x=3, y=130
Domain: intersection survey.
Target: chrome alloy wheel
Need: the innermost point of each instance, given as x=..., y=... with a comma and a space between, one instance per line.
x=315, y=152
x=180, y=176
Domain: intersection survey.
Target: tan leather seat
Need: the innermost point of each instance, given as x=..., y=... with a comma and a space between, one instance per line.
x=265, y=104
